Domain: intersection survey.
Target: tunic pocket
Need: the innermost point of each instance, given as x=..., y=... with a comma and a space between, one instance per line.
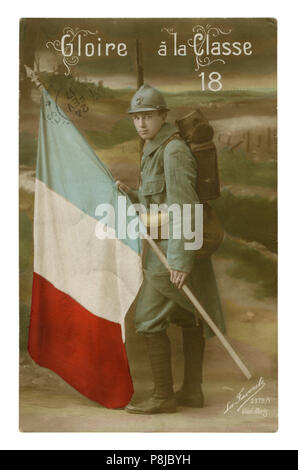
x=154, y=186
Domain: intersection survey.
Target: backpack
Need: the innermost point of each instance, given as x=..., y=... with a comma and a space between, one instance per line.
x=197, y=133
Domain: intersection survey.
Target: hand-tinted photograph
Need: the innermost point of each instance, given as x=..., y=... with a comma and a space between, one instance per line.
x=148, y=225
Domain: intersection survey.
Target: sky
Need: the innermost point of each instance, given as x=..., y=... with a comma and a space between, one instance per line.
x=256, y=69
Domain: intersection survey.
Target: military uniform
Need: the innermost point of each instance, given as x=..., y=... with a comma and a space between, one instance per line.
x=169, y=176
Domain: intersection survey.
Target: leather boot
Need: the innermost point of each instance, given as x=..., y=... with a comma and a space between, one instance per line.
x=162, y=400
x=190, y=394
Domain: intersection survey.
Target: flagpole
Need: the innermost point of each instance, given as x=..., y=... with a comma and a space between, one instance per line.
x=140, y=82
x=201, y=310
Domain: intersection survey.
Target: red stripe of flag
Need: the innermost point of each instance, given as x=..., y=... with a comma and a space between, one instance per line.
x=85, y=350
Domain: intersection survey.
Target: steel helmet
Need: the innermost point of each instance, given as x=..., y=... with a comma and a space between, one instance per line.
x=147, y=98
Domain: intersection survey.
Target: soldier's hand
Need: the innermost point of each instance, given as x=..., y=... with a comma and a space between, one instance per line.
x=178, y=277
x=122, y=186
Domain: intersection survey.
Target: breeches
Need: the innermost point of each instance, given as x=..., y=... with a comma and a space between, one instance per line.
x=160, y=303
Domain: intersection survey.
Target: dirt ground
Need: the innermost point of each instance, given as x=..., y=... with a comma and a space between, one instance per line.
x=50, y=405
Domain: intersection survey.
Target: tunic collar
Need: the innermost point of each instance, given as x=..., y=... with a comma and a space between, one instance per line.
x=166, y=131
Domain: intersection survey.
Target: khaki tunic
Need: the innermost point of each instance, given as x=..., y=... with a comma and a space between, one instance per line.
x=169, y=176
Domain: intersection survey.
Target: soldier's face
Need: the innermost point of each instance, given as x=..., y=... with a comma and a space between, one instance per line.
x=148, y=123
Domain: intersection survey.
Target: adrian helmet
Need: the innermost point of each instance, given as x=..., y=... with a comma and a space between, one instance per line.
x=147, y=98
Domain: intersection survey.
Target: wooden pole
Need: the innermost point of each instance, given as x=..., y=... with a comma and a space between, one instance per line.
x=248, y=141
x=268, y=139
x=140, y=82
x=201, y=310
x=140, y=69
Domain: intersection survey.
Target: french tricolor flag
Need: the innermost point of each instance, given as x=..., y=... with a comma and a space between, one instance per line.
x=83, y=286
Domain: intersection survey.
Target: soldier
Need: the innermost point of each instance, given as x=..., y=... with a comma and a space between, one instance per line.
x=169, y=175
